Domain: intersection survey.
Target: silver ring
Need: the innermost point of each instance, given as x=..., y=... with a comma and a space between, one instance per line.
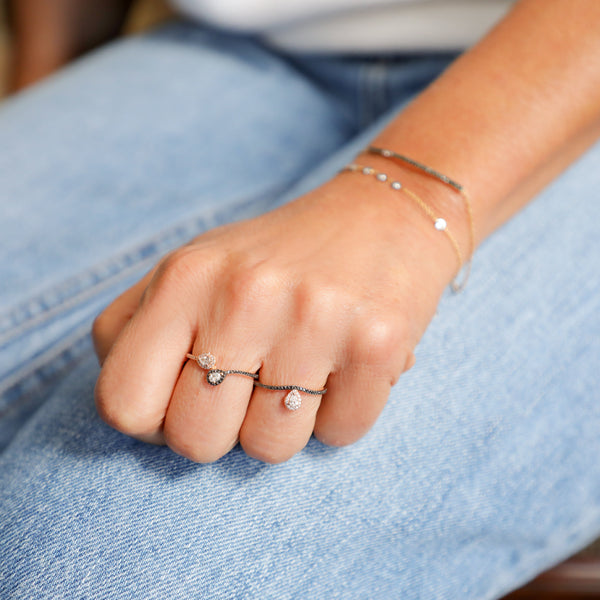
x=293, y=400
x=216, y=376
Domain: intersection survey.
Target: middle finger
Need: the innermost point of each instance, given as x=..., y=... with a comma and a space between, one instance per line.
x=203, y=420
x=276, y=427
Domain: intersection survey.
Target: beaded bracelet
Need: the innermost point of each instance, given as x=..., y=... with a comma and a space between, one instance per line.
x=456, y=287
x=438, y=222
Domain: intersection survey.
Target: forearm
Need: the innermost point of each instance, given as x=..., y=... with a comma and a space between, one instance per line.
x=513, y=111
x=47, y=35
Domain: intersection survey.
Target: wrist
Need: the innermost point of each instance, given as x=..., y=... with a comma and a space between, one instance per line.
x=415, y=205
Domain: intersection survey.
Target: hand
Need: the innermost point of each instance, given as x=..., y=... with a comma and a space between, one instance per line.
x=332, y=290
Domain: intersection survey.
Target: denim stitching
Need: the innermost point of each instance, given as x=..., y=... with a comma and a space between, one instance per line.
x=149, y=251
x=67, y=293
x=77, y=289
x=80, y=298
x=33, y=373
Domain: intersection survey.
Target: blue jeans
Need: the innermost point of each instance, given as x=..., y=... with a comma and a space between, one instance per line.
x=483, y=468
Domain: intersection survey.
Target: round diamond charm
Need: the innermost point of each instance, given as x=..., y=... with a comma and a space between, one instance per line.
x=396, y=185
x=440, y=224
x=207, y=360
x=293, y=400
x=215, y=377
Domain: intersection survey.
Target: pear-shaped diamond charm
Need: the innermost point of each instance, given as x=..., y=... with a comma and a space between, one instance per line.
x=293, y=401
x=207, y=360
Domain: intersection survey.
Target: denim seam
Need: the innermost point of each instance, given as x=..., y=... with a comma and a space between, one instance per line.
x=157, y=243
x=35, y=366
x=24, y=316
x=86, y=293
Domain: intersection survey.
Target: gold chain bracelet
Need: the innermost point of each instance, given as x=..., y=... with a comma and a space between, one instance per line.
x=456, y=286
x=439, y=223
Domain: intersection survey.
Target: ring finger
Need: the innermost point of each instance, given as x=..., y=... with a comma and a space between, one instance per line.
x=279, y=422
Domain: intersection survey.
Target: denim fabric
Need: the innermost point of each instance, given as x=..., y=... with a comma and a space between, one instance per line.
x=482, y=469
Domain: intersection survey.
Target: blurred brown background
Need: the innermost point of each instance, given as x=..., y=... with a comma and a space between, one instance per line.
x=3, y=50
x=145, y=14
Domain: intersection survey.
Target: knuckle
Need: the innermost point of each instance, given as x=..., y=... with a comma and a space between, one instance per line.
x=400, y=362
x=110, y=412
x=100, y=325
x=196, y=443
x=315, y=305
x=270, y=453
x=119, y=420
x=101, y=398
x=338, y=437
x=266, y=456
x=122, y=416
x=380, y=340
x=410, y=361
x=248, y=288
x=194, y=452
x=179, y=269
x=177, y=261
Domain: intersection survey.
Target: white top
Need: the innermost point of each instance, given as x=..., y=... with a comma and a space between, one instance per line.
x=354, y=25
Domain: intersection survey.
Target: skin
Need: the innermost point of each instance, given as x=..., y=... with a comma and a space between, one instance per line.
x=316, y=292
x=336, y=288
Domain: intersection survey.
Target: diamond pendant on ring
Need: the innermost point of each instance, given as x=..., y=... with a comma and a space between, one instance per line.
x=215, y=376
x=293, y=401
x=206, y=360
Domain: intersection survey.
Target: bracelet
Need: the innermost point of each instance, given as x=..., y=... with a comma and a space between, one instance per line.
x=456, y=286
x=439, y=223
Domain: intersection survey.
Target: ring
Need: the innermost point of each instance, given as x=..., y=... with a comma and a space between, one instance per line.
x=293, y=400
x=215, y=376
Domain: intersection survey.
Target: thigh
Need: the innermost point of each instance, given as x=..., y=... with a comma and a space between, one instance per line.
x=126, y=155
x=502, y=411
x=481, y=471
